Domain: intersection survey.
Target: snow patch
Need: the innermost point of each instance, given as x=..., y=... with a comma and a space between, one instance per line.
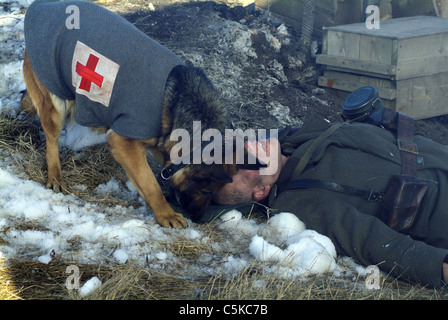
x=90, y=285
x=307, y=251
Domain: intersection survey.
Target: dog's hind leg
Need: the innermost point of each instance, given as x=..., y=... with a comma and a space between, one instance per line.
x=131, y=154
x=52, y=118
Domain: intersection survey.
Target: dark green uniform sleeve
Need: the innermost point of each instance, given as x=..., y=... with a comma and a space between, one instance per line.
x=364, y=237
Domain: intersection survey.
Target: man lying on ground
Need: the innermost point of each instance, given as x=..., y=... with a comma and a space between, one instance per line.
x=341, y=193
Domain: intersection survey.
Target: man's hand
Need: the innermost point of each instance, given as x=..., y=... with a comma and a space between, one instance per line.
x=445, y=272
x=268, y=152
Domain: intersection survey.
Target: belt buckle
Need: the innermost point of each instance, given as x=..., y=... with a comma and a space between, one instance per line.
x=407, y=146
x=374, y=196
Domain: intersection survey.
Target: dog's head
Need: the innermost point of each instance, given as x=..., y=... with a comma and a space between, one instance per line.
x=193, y=185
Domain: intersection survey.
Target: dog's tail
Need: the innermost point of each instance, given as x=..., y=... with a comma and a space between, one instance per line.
x=27, y=103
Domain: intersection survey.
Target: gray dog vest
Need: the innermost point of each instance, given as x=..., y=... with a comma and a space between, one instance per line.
x=116, y=73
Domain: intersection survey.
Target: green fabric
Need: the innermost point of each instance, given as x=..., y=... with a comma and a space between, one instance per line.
x=305, y=158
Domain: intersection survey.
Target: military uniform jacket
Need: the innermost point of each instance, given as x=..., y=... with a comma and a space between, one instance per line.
x=364, y=156
x=116, y=73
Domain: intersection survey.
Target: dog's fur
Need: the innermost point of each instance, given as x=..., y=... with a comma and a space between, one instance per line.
x=189, y=96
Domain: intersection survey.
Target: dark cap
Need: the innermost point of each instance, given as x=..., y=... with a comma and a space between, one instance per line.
x=361, y=103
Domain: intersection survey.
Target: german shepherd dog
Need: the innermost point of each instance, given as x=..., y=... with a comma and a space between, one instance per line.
x=188, y=96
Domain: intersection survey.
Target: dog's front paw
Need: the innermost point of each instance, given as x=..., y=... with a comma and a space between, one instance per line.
x=57, y=185
x=172, y=220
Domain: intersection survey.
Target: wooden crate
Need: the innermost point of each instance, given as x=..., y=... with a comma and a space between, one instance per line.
x=406, y=60
x=421, y=97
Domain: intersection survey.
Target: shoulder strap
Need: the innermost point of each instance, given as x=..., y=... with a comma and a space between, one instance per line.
x=406, y=145
x=310, y=151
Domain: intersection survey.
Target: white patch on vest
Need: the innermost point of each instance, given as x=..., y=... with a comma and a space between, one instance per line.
x=93, y=75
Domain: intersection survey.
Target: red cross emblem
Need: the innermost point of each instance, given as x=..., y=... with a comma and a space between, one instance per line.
x=93, y=75
x=88, y=74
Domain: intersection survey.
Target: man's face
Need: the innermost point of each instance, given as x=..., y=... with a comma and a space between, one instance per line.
x=249, y=185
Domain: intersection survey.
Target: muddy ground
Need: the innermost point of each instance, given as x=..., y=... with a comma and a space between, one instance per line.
x=253, y=58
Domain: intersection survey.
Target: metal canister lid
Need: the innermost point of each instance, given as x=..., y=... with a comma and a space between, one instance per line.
x=362, y=103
